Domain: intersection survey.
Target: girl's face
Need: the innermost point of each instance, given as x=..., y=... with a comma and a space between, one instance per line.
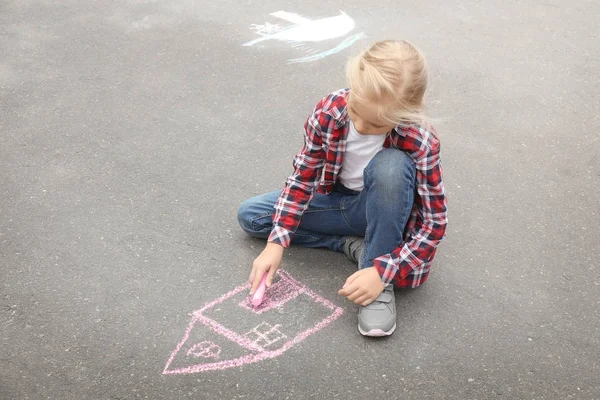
x=365, y=119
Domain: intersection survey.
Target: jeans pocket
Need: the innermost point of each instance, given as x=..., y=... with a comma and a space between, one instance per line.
x=348, y=201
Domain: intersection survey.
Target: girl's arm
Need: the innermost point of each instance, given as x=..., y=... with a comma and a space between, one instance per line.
x=300, y=186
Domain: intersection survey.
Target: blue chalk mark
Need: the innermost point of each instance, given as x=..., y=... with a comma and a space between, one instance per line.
x=346, y=43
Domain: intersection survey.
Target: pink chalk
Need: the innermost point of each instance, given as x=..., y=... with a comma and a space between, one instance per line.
x=279, y=293
x=260, y=291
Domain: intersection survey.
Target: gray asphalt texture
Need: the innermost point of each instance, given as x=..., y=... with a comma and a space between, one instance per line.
x=130, y=131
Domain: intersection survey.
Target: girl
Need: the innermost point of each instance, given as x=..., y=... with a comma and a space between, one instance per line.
x=367, y=182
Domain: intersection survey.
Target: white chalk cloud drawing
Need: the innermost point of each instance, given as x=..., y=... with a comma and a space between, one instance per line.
x=304, y=30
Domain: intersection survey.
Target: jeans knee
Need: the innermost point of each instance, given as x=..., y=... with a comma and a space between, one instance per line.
x=244, y=216
x=391, y=169
x=253, y=218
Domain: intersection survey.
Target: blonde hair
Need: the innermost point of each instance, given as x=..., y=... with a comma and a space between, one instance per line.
x=392, y=74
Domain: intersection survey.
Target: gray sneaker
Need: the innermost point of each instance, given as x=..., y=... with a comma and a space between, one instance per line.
x=379, y=317
x=353, y=248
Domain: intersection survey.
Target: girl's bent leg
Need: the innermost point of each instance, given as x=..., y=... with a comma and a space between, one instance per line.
x=254, y=213
x=389, y=189
x=322, y=224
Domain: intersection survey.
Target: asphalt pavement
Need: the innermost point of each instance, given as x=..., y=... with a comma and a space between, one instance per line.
x=130, y=131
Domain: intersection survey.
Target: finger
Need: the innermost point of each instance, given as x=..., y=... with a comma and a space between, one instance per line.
x=347, y=290
x=356, y=294
x=252, y=275
x=351, y=278
x=270, y=276
x=368, y=300
x=363, y=300
x=256, y=281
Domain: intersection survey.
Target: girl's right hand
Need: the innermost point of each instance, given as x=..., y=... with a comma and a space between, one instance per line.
x=268, y=261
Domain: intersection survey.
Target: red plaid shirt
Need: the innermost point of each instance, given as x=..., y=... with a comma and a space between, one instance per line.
x=318, y=164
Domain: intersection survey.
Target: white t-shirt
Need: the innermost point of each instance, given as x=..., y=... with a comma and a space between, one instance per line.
x=360, y=149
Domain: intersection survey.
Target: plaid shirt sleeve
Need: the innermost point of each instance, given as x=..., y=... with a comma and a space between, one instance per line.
x=414, y=256
x=300, y=186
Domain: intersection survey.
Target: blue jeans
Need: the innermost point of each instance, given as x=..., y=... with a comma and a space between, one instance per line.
x=379, y=212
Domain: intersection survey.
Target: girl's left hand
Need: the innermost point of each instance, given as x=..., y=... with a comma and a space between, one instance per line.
x=362, y=287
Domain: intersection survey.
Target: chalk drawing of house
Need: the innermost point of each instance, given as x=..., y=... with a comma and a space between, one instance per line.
x=228, y=332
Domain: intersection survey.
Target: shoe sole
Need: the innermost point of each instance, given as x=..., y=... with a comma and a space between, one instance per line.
x=376, y=332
